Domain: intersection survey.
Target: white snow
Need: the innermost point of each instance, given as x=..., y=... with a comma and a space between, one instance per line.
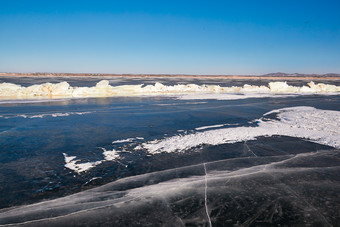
x=128, y=140
x=78, y=166
x=110, y=155
x=104, y=89
x=44, y=115
x=319, y=126
x=73, y=164
x=212, y=126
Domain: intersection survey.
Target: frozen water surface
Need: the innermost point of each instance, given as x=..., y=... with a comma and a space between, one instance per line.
x=170, y=160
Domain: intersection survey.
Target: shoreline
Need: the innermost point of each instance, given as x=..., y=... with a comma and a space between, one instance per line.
x=230, y=77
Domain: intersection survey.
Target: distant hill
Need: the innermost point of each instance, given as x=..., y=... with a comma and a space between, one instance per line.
x=279, y=74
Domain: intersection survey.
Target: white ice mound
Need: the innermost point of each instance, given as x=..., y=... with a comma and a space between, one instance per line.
x=319, y=126
x=104, y=89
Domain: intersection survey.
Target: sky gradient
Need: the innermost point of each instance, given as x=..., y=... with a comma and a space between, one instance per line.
x=179, y=37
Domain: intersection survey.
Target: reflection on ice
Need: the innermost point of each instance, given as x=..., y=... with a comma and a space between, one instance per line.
x=284, y=189
x=233, y=96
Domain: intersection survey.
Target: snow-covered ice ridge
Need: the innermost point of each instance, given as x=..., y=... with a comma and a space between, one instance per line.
x=104, y=89
x=319, y=126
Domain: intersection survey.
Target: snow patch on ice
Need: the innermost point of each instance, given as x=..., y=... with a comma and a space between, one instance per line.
x=319, y=126
x=128, y=140
x=30, y=116
x=212, y=126
x=75, y=165
x=78, y=166
x=110, y=155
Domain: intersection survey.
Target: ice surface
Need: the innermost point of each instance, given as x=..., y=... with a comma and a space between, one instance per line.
x=128, y=140
x=248, y=189
x=320, y=126
x=231, y=96
x=278, y=190
x=104, y=89
x=25, y=101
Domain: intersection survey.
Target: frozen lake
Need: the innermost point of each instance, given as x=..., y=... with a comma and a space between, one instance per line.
x=168, y=160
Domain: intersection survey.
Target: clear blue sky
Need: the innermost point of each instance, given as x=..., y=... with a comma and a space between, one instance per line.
x=190, y=37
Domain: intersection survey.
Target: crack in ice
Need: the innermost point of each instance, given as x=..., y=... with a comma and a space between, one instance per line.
x=205, y=194
x=248, y=149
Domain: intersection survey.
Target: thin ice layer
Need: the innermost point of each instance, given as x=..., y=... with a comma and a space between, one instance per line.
x=319, y=126
x=104, y=89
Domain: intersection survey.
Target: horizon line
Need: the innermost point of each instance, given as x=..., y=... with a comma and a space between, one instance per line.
x=171, y=74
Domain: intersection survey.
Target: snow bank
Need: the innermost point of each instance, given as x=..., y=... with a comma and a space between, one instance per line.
x=104, y=89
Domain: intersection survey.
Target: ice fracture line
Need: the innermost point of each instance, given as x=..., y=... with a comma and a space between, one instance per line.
x=205, y=194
